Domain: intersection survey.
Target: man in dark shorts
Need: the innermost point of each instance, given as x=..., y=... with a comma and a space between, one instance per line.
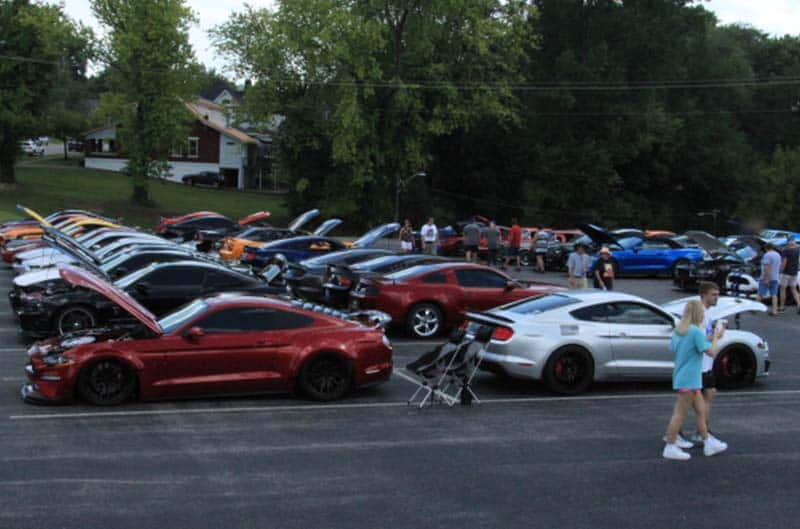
x=788, y=278
x=472, y=238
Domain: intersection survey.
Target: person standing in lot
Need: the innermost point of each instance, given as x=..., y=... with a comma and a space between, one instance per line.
x=472, y=239
x=407, y=237
x=604, y=270
x=430, y=237
x=577, y=267
x=788, y=279
x=514, y=242
x=492, y=243
x=770, y=270
x=689, y=344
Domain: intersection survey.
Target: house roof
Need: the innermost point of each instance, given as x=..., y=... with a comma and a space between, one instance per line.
x=217, y=87
x=212, y=115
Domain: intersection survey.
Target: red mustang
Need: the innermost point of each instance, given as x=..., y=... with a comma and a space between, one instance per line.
x=428, y=298
x=227, y=344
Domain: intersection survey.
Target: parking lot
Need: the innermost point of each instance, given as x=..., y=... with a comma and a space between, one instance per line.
x=523, y=458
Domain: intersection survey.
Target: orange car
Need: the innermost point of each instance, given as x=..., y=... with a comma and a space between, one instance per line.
x=233, y=246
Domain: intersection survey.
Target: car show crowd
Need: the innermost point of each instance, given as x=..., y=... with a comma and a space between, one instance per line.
x=206, y=304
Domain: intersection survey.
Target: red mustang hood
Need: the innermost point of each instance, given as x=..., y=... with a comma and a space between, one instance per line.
x=81, y=278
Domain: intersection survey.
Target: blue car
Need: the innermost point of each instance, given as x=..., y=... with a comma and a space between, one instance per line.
x=779, y=238
x=298, y=249
x=645, y=256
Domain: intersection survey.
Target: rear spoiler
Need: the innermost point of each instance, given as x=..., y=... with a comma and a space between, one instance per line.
x=486, y=318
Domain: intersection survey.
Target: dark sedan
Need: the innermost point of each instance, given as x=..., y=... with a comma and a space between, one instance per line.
x=161, y=287
x=206, y=178
x=340, y=279
x=305, y=279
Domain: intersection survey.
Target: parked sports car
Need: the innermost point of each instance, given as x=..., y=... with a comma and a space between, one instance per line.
x=642, y=256
x=186, y=227
x=221, y=345
x=721, y=261
x=427, y=299
x=305, y=279
x=570, y=339
x=340, y=279
x=161, y=287
x=233, y=245
x=297, y=249
x=778, y=238
x=206, y=178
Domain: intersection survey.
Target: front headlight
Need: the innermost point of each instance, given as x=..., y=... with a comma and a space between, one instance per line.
x=386, y=341
x=57, y=360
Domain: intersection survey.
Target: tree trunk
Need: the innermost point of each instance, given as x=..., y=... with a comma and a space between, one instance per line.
x=139, y=193
x=7, y=175
x=66, y=157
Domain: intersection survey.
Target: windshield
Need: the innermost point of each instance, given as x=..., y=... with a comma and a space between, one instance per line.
x=376, y=263
x=539, y=304
x=114, y=262
x=324, y=259
x=408, y=272
x=177, y=319
x=629, y=242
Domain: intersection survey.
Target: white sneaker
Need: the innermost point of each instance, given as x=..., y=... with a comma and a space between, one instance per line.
x=671, y=451
x=681, y=441
x=713, y=446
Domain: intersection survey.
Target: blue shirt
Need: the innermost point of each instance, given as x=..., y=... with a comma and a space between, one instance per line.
x=689, y=350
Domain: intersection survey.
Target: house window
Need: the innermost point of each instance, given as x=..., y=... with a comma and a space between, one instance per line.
x=190, y=149
x=194, y=148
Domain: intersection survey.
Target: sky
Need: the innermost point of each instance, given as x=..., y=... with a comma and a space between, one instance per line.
x=776, y=17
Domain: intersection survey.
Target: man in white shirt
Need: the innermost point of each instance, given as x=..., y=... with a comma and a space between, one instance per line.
x=578, y=266
x=430, y=237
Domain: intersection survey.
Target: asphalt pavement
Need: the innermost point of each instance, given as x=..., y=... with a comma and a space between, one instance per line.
x=523, y=458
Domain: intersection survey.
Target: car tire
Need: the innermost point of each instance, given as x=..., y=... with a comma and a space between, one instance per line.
x=424, y=320
x=106, y=382
x=735, y=367
x=74, y=318
x=526, y=259
x=675, y=265
x=325, y=377
x=569, y=370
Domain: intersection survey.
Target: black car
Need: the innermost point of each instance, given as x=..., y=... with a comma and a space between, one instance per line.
x=305, y=279
x=208, y=240
x=741, y=255
x=206, y=178
x=160, y=287
x=340, y=279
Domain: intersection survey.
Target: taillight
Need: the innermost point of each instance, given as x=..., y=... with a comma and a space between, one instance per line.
x=344, y=281
x=501, y=334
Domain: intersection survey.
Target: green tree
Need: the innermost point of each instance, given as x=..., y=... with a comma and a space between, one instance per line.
x=367, y=87
x=151, y=72
x=39, y=45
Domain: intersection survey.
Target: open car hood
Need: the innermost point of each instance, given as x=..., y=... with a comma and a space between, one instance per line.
x=70, y=245
x=303, y=219
x=708, y=242
x=726, y=307
x=326, y=227
x=32, y=214
x=81, y=278
x=254, y=217
x=369, y=238
x=33, y=278
x=598, y=234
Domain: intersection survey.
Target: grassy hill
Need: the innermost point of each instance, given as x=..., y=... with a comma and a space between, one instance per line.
x=51, y=183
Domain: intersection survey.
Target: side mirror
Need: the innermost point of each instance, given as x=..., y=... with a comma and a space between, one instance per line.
x=511, y=284
x=194, y=334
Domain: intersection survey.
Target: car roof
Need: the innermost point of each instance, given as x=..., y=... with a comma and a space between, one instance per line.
x=448, y=265
x=302, y=238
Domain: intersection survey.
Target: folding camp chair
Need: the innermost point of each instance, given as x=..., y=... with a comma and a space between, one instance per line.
x=464, y=368
x=432, y=367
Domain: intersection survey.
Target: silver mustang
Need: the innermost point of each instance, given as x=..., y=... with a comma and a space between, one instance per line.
x=572, y=338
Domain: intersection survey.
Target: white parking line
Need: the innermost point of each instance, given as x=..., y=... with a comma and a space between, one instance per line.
x=368, y=405
x=20, y=349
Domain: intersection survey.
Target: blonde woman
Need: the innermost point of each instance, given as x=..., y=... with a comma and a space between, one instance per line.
x=689, y=343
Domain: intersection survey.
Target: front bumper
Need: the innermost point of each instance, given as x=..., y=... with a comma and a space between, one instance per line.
x=43, y=388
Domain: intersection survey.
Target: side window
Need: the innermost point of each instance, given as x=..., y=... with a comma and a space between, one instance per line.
x=654, y=245
x=436, y=277
x=591, y=313
x=480, y=279
x=635, y=314
x=176, y=276
x=250, y=319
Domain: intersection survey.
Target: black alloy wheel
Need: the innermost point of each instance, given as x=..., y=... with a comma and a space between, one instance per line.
x=73, y=319
x=569, y=370
x=735, y=367
x=326, y=378
x=106, y=382
x=679, y=262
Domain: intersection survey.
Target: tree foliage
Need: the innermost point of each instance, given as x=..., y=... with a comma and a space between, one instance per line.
x=634, y=112
x=39, y=47
x=151, y=72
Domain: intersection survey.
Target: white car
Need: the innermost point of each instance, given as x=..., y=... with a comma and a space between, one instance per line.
x=32, y=148
x=570, y=339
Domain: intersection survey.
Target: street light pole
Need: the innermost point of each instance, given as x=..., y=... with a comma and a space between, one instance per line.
x=399, y=183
